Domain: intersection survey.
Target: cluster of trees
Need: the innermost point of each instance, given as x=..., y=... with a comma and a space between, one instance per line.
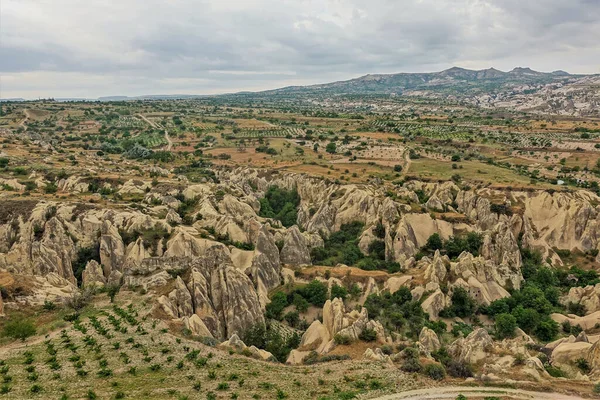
x=453, y=247
x=400, y=313
x=342, y=247
x=280, y=204
x=270, y=338
x=301, y=298
x=530, y=307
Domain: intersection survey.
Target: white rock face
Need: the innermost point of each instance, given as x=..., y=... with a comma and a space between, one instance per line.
x=320, y=336
x=295, y=250
x=586, y=323
x=428, y=342
x=588, y=296
x=93, y=275
x=473, y=348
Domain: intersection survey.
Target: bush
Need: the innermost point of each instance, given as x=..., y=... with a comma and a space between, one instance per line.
x=339, y=292
x=342, y=339
x=547, y=330
x=368, y=335
x=315, y=293
x=271, y=340
x=85, y=255
x=435, y=371
x=434, y=242
x=505, y=326
x=411, y=365
x=19, y=329
x=462, y=304
x=583, y=365
x=275, y=308
x=459, y=369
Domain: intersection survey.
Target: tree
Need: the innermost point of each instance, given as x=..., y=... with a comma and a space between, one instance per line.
x=527, y=318
x=331, y=148
x=112, y=291
x=338, y=291
x=505, y=325
x=315, y=292
x=280, y=204
x=547, y=330
x=462, y=304
x=434, y=242
x=275, y=308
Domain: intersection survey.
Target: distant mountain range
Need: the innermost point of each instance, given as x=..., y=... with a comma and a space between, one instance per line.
x=454, y=80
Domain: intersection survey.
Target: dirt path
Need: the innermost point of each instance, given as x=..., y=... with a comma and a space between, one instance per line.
x=452, y=392
x=169, y=145
x=23, y=124
x=19, y=345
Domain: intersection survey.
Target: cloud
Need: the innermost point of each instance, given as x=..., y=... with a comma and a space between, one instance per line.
x=101, y=47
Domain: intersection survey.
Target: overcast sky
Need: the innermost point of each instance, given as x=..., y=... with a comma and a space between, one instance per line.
x=90, y=48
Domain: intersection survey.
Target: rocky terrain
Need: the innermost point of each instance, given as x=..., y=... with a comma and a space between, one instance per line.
x=213, y=274
x=176, y=249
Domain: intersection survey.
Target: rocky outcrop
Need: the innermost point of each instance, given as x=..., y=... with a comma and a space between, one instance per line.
x=428, y=342
x=586, y=323
x=196, y=326
x=112, y=248
x=266, y=266
x=320, y=336
x=236, y=344
x=473, y=348
x=588, y=296
x=295, y=250
x=435, y=303
x=377, y=355
x=394, y=283
x=93, y=275
x=217, y=292
x=483, y=279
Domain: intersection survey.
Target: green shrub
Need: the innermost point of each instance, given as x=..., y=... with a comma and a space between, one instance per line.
x=18, y=329
x=275, y=308
x=435, y=371
x=505, y=326
x=368, y=335
x=342, y=339
x=338, y=291
x=583, y=365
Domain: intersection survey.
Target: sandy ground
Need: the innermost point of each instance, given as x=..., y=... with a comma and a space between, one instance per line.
x=472, y=393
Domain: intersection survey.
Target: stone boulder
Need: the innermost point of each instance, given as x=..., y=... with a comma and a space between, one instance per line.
x=377, y=355
x=435, y=303
x=196, y=326
x=394, y=283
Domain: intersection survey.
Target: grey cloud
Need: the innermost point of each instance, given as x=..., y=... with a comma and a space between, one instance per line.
x=139, y=47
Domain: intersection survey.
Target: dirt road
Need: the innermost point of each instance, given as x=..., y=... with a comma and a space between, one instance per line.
x=169, y=145
x=472, y=393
